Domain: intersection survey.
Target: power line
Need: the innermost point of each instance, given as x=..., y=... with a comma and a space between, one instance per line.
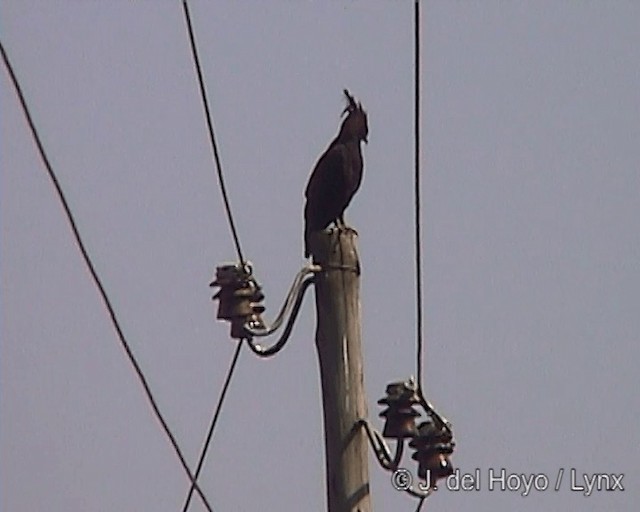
x=96, y=279
x=212, y=427
x=418, y=234
x=236, y=240
x=212, y=138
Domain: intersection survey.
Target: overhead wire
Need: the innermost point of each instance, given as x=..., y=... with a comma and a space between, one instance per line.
x=212, y=426
x=442, y=422
x=234, y=233
x=212, y=137
x=417, y=205
x=96, y=279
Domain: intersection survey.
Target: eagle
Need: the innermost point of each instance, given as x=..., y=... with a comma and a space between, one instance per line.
x=337, y=175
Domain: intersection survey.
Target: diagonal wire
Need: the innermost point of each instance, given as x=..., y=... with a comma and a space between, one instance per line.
x=418, y=234
x=212, y=427
x=96, y=279
x=234, y=233
x=212, y=137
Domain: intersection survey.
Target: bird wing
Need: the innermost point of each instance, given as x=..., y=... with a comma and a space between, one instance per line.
x=326, y=191
x=329, y=169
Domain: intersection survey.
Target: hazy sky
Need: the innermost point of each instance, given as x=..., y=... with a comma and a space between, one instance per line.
x=531, y=192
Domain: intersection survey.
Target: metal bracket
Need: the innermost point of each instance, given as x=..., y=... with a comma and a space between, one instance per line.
x=278, y=345
x=381, y=449
x=240, y=302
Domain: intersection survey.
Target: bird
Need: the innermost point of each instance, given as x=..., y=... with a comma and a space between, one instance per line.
x=337, y=175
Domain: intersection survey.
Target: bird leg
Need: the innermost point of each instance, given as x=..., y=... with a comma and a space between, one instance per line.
x=342, y=225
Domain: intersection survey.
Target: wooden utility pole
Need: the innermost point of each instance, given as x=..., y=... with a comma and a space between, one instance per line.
x=339, y=350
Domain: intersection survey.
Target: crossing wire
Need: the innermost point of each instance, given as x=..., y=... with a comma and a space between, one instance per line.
x=236, y=239
x=214, y=421
x=87, y=259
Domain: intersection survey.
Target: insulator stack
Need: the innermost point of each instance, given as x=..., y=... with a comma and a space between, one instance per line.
x=240, y=298
x=433, y=447
x=400, y=415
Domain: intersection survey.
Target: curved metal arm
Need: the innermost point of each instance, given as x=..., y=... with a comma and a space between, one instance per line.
x=383, y=454
x=294, y=291
x=381, y=449
x=277, y=346
x=423, y=495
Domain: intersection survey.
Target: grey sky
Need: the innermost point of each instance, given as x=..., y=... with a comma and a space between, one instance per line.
x=531, y=191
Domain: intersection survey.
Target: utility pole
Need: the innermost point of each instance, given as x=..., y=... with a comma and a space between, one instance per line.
x=341, y=370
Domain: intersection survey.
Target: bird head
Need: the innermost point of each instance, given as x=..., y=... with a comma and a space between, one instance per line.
x=355, y=124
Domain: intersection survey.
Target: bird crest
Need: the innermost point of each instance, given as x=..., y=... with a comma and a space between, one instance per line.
x=352, y=106
x=355, y=124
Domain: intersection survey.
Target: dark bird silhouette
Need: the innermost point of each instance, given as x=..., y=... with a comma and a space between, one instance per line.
x=337, y=175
